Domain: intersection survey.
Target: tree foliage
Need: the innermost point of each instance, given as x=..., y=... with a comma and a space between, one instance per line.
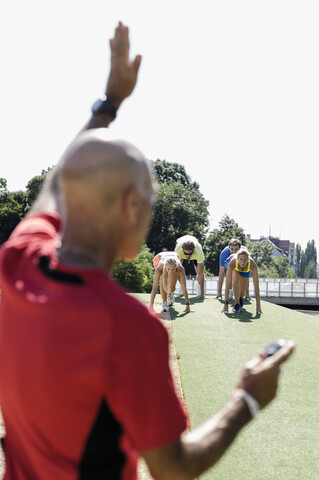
x=298, y=259
x=282, y=267
x=306, y=261
x=268, y=265
x=15, y=205
x=171, y=172
x=180, y=208
x=218, y=240
x=34, y=186
x=261, y=252
x=136, y=275
x=12, y=209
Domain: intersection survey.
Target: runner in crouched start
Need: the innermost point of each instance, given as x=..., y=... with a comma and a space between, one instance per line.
x=188, y=248
x=168, y=269
x=240, y=268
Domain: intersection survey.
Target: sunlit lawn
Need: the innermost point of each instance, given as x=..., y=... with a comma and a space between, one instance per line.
x=283, y=441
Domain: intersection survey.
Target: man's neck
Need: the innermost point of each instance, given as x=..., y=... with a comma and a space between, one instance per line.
x=79, y=257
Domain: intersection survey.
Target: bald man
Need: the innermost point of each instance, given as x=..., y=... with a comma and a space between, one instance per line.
x=84, y=377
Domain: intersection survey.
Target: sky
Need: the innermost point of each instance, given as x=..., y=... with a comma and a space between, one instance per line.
x=229, y=89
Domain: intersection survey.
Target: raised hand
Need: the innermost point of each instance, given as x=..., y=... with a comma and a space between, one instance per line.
x=123, y=74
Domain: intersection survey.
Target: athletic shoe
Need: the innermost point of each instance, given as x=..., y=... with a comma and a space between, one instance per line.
x=231, y=293
x=165, y=307
x=241, y=301
x=236, y=308
x=171, y=299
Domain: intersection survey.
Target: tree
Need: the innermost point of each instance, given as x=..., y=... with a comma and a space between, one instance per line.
x=311, y=270
x=269, y=266
x=311, y=260
x=170, y=172
x=261, y=252
x=218, y=240
x=306, y=261
x=180, y=208
x=298, y=260
x=34, y=186
x=283, y=268
x=15, y=205
x=311, y=251
x=303, y=264
x=12, y=209
x=136, y=275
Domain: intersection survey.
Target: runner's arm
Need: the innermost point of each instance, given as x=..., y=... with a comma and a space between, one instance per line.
x=229, y=274
x=201, y=278
x=157, y=276
x=254, y=271
x=182, y=281
x=222, y=274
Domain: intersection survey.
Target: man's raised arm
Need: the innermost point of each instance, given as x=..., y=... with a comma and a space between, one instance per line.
x=121, y=82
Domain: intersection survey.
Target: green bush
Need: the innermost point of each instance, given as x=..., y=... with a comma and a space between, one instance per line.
x=136, y=275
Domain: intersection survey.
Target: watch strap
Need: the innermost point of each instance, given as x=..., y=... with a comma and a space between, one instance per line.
x=104, y=105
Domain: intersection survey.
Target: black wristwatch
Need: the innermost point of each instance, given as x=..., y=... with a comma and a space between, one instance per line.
x=187, y=303
x=104, y=105
x=226, y=302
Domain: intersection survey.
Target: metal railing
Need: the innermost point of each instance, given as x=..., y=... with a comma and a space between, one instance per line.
x=269, y=287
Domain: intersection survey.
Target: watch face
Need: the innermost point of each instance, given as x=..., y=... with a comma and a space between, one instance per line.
x=104, y=105
x=97, y=105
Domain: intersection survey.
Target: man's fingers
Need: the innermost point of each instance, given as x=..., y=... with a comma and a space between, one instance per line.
x=120, y=43
x=254, y=362
x=282, y=355
x=275, y=360
x=137, y=63
x=120, y=30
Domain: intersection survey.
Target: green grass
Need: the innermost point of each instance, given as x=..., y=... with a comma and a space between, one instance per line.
x=282, y=442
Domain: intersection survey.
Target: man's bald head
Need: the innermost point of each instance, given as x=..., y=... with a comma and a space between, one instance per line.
x=105, y=189
x=100, y=169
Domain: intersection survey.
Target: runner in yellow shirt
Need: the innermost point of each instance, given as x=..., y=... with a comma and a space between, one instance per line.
x=240, y=268
x=189, y=248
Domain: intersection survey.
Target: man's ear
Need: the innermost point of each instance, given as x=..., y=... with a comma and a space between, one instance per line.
x=131, y=205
